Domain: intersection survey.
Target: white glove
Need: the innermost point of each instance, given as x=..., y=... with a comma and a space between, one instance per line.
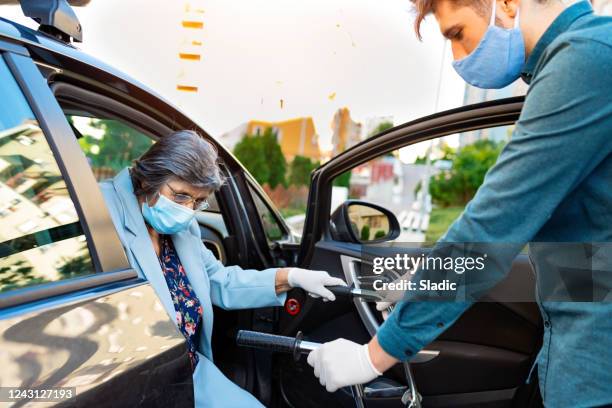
x=314, y=282
x=384, y=308
x=342, y=362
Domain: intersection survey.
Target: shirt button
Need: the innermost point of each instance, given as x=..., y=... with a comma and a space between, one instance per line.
x=547, y=324
x=440, y=325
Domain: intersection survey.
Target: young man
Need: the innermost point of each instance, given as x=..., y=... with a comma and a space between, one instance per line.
x=552, y=183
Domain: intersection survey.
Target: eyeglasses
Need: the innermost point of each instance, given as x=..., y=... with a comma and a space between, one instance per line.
x=199, y=204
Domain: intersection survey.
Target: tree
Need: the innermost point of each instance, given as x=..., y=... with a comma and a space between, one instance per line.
x=119, y=145
x=275, y=159
x=365, y=233
x=458, y=185
x=17, y=274
x=445, y=153
x=263, y=157
x=250, y=153
x=382, y=126
x=343, y=180
x=380, y=234
x=300, y=169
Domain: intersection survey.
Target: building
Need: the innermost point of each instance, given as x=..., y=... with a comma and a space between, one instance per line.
x=295, y=136
x=476, y=95
x=346, y=132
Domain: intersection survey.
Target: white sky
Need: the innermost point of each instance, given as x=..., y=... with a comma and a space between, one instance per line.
x=256, y=52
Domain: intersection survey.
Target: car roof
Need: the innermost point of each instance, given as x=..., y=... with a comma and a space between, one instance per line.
x=51, y=51
x=54, y=50
x=26, y=35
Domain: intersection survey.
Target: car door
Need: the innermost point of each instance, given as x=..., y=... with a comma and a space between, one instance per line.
x=114, y=119
x=481, y=360
x=77, y=325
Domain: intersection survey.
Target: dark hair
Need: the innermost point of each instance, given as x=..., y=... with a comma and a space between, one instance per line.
x=184, y=155
x=424, y=7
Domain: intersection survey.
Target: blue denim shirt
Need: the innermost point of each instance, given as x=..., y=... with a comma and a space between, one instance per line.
x=551, y=183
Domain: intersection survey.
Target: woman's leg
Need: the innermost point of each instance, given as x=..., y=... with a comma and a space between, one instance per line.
x=212, y=389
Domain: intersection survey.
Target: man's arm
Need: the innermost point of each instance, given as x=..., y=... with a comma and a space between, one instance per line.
x=561, y=136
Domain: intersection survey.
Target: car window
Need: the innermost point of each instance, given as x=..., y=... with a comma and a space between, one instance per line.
x=110, y=145
x=426, y=185
x=270, y=223
x=41, y=239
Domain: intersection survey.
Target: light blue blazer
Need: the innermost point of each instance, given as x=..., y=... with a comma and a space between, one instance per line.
x=229, y=287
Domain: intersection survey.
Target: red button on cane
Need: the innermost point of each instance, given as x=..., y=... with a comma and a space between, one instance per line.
x=292, y=306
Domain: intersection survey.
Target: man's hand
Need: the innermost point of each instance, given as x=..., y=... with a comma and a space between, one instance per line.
x=342, y=362
x=383, y=307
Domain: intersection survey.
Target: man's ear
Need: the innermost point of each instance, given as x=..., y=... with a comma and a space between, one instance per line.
x=506, y=12
x=509, y=7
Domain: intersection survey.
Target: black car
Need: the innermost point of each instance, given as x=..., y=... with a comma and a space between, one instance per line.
x=74, y=314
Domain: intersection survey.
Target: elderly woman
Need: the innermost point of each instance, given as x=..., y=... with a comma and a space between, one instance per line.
x=152, y=205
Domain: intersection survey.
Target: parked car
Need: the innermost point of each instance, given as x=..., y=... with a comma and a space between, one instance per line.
x=73, y=312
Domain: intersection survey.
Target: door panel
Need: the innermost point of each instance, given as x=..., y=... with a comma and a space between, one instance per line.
x=115, y=345
x=481, y=360
x=491, y=347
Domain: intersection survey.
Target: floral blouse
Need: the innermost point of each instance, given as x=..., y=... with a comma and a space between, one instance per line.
x=186, y=304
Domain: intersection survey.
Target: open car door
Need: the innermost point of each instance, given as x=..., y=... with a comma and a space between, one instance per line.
x=481, y=360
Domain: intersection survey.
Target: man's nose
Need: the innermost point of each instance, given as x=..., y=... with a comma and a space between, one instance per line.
x=458, y=51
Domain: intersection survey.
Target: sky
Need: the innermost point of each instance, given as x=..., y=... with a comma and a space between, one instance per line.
x=315, y=55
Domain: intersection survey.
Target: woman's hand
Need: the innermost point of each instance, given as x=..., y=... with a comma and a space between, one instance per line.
x=313, y=282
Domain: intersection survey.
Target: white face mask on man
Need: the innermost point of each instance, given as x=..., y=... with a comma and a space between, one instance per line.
x=498, y=59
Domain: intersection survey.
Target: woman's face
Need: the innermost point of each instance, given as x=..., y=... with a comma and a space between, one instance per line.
x=182, y=193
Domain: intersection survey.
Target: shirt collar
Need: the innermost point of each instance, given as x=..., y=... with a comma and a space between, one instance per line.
x=559, y=26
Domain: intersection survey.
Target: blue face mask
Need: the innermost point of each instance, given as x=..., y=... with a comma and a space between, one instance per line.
x=498, y=59
x=166, y=216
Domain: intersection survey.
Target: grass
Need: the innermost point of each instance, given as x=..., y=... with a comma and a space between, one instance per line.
x=439, y=221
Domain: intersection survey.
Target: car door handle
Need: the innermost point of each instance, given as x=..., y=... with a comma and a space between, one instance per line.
x=367, y=295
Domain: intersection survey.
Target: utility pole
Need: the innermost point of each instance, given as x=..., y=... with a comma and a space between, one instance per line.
x=423, y=211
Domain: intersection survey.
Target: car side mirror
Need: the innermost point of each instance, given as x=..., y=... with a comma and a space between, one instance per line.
x=362, y=222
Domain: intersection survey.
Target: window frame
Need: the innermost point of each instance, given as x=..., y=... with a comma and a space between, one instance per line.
x=95, y=98
x=255, y=195
x=409, y=145
x=107, y=254
x=470, y=117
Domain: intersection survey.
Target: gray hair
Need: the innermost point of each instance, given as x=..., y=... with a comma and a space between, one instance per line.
x=184, y=155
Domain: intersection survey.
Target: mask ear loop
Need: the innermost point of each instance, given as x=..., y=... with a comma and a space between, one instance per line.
x=493, y=15
x=516, y=18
